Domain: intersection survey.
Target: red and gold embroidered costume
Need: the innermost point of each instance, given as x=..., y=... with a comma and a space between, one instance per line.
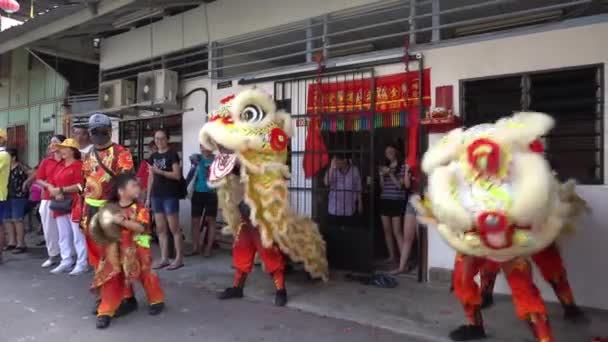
x=97, y=188
x=127, y=261
x=494, y=199
x=251, y=136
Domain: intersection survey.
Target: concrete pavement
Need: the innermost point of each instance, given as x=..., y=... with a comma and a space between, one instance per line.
x=38, y=306
x=35, y=305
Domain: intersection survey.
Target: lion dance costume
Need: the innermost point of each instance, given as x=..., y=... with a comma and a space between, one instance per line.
x=250, y=173
x=494, y=199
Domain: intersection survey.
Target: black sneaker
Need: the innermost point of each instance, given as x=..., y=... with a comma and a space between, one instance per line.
x=156, y=309
x=103, y=322
x=468, y=333
x=94, y=311
x=487, y=300
x=280, y=298
x=231, y=292
x=574, y=314
x=9, y=247
x=126, y=307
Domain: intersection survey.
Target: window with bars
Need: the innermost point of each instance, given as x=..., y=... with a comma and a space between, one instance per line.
x=573, y=97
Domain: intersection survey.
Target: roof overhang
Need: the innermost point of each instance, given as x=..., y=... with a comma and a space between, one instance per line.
x=56, y=21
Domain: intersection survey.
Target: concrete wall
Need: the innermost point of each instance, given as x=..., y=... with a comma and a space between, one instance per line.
x=226, y=19
x=32, y=95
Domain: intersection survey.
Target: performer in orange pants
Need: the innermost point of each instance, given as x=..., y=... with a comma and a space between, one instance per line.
x=551, y=266
x=247, y=243
x=529, y=305
x=129, y=259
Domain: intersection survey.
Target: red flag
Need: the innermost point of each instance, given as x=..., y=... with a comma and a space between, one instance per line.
x=315, y=157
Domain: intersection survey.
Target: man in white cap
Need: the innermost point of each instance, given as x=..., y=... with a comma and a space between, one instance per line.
x=5, y=167
x=105, y=161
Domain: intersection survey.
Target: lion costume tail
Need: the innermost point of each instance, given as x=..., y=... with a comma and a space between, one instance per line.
x=303, y=242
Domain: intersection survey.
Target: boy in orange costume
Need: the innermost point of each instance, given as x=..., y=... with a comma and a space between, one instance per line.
x=551, y=266
x=129, y=259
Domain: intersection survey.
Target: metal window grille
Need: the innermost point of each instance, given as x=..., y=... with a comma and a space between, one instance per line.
x=379, y=26
x=574, y=97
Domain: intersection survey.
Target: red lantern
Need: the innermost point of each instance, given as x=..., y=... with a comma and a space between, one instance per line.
x=9, y=6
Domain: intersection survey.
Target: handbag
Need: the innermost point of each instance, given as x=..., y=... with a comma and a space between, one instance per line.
x=63, y=206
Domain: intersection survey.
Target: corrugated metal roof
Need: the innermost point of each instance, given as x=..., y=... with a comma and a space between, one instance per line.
x=39, y=21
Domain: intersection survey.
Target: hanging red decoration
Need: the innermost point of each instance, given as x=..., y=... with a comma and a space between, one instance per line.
x=9, y=6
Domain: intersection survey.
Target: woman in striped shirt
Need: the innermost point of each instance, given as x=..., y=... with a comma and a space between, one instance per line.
x=393, y=199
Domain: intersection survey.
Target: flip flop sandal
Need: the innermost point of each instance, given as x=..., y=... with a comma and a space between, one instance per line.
x=173, y=268
x=161, y=265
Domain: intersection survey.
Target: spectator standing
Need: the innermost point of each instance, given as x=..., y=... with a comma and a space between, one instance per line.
x=46, y=169
x=66, y=183
x=393, y=200
x=14, y=212
x=5, y=165
x=204, y=201
x=345, y=198
x=165, y=188
x=410, y=227
x=82, y=137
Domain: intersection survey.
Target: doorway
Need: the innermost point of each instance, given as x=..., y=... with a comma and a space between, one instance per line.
x=357, y=133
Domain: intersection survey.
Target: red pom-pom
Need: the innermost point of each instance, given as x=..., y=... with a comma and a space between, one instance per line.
x=537, y=146
x=278, y=139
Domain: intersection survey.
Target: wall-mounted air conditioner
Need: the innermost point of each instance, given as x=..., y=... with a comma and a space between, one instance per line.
x=116, y=93
x=157, y=87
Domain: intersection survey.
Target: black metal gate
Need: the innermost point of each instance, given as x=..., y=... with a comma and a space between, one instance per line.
x=350, y=136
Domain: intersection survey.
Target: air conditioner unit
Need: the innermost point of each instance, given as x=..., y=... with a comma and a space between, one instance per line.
x=116, y=93
x=157, y=87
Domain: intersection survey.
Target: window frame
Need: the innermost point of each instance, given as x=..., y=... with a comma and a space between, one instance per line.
x=526, y=100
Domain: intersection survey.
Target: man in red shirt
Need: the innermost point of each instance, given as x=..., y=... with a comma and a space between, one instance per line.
x=105, y=161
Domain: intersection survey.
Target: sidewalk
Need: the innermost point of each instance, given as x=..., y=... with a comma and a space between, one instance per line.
x=412, y=309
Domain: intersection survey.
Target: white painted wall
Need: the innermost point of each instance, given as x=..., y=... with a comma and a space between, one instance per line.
x=227, y=18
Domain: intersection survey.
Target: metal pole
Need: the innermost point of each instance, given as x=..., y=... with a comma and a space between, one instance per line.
x=309, y=41
x=412, y=22
x=325, y=39
x=436, y=33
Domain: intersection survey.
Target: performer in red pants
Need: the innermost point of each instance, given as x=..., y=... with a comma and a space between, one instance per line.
x=551, y=266
x=529, y=305
x=247, y=243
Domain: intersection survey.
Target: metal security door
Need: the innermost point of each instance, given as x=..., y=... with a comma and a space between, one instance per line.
x=344, y=129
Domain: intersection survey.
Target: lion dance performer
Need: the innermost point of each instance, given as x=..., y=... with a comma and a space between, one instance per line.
x=250, y=173
x=494, y=199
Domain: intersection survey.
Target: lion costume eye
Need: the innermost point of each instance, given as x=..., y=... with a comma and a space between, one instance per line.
x=252, y=114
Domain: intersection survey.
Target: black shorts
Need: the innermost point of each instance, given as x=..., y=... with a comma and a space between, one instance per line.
x=392, y=208
x=204, y=201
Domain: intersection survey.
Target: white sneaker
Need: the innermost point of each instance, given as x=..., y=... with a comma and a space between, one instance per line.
x=48, y=263
x=60, y=269
x=79, y=270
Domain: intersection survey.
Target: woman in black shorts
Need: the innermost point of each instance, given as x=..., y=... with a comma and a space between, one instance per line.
x=204, y=202
x=393, y=200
